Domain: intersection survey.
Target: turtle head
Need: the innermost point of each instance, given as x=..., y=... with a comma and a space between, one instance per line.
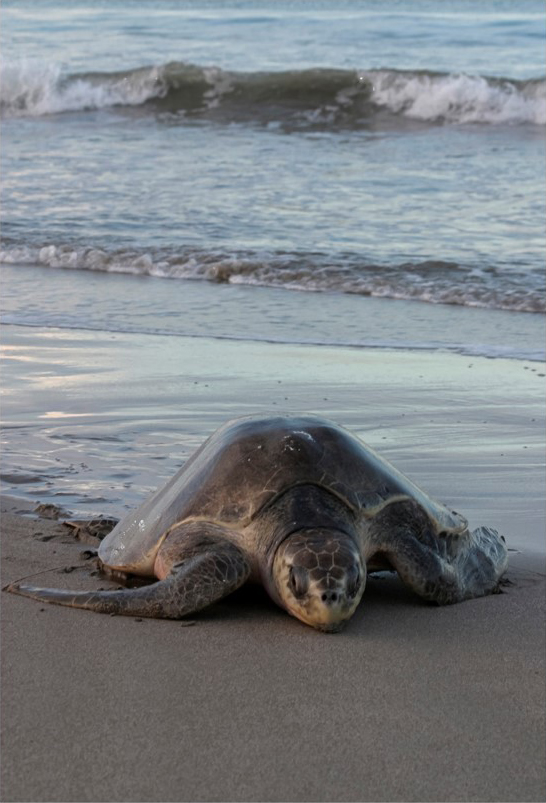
x=320, y=577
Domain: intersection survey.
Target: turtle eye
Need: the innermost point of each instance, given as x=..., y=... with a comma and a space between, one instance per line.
x=353, y=582
x=298, y=581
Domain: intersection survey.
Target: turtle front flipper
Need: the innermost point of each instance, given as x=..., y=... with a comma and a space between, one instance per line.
x=196, y=567
x=444, y=568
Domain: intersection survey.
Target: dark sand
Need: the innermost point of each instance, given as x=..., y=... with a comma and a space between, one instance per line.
x=410, y=702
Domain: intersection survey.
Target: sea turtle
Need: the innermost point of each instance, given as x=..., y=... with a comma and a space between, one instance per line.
x=300, y=505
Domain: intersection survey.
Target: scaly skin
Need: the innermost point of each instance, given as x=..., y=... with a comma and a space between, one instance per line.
x=196, y=567
x=444, y=569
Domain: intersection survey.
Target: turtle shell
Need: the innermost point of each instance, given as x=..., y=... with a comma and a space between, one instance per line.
x=249, y=462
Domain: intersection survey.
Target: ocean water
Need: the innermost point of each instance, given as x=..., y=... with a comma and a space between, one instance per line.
x=358, y=173
x=391, y=150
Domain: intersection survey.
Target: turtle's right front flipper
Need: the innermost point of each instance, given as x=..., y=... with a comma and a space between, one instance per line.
x=196, y=565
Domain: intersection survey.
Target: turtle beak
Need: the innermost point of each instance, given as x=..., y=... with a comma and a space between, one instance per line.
x=332, y=627
x=328, y=612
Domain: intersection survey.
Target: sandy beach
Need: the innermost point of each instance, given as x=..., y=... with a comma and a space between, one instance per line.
x=410, y=702
x=230, y=208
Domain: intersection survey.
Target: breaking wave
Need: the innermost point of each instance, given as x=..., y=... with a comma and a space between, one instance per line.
x=433, y=281
x=322, y=96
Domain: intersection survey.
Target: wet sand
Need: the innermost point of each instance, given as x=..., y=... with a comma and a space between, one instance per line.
x=410, y=702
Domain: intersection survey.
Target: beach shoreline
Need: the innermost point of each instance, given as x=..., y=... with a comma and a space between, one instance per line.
x=225, y=209
x=94, y=421
x=410, y=702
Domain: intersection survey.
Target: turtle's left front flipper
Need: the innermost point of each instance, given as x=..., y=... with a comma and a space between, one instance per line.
x=444, y=568
x=195, y=568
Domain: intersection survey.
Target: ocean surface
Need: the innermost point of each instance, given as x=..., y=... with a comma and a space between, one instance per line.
x=360, y=173
x=393, y=150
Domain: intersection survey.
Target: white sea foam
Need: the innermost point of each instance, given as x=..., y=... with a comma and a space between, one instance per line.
x=459, y=98
x=32, y=88
x=435, y=282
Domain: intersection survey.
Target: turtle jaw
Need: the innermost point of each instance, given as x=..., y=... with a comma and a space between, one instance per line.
x=335, y=627
x=325, y=617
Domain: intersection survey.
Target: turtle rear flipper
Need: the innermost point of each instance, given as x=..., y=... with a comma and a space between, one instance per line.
x=198, y=570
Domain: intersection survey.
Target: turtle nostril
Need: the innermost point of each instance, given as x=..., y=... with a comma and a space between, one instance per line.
x=329, y=596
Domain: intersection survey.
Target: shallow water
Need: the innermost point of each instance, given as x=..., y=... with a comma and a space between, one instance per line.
x=186, y=182
x=93, y=421
x=73, y=299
